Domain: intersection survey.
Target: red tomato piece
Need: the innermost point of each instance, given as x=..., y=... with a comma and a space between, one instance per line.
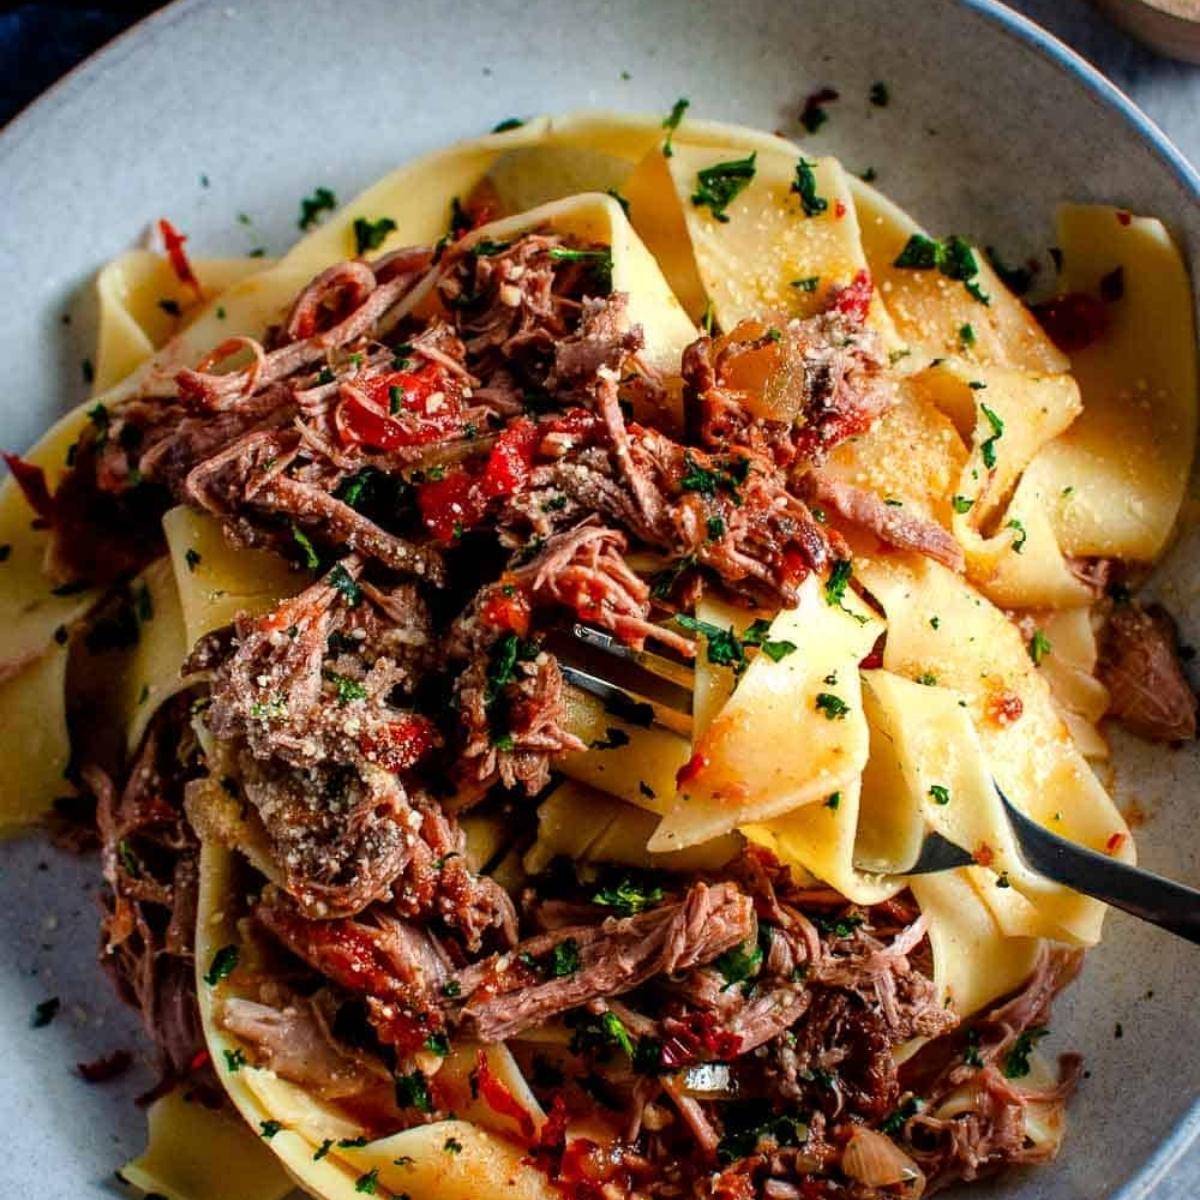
x=506, y=607
x=510, y=463
x=400, y=744
x=450, y=505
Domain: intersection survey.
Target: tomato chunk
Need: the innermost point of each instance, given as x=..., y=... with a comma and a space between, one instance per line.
x=403, y=408
x=400, y=744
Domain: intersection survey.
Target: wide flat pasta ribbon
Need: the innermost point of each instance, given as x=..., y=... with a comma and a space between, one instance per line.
x=942, y=631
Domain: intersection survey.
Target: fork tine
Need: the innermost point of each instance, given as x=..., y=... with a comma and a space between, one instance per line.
x=672, y=669
x=617, y=698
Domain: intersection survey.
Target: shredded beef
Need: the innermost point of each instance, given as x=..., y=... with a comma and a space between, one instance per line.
x=149, y=862
x=501, y=996
x=1140, y=666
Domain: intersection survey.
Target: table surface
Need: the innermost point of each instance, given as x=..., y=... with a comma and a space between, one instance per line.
x=39, y=42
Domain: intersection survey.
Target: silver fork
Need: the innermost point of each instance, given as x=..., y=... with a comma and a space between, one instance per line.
x=654, y=687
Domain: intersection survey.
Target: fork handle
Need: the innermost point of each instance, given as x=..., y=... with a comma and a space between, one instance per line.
x=1162, y=902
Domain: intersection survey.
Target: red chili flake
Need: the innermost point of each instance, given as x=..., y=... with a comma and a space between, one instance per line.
x=1115, y=842
x=839, y=209
x=101, y=1070
x=174, y=240
x=399, y=744
x=32, y=482
x=985, y=855
x=200, y=1060
x=692, y=769
x=1072, y=322
x=496, y=1095
x=1123, y=217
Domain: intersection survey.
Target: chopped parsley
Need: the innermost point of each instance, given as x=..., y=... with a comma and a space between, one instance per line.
x=1020, y=537
x=962, y=504
x=835, y=588
x=953, y=257
x=879, y=94
x=697, y=478
x=751, y=1124
x=842, y=927
x=927, y=679
x=813, y=114
x=719, y=185
x=452, y=1146
x=368, y=1183
x=460, y=219
x=452, y=988
x=45, y=1012
x=708, y=319
x=224, y=961
x=323, y=1149
x=628, y=896
x=939, y=794
x=347, y=689
x=312, y=560
x=268, y=1129
x=564, y=958
x=341, y=579
x=869, y=175
x=671, y=122
x=370, y=235
x=988, y=447
x=966, y=334
x=740, y=964
x=412, y=1091
x=1039, y=647
x=805, y=186
x=311, y=207
x=615, y=1031
x=833, y=801
x=87, y=370
x=756, y=635
x=506, y=653
x=1016, y=1061
x=192, y=558
x=895, y=1121
x=808, y=284
x=235, y=1060
x=834, y=707
x=507, y=124
x=716, y=528
x=600, y=260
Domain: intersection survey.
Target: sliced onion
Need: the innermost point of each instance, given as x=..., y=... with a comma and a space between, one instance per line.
x=873, y=1159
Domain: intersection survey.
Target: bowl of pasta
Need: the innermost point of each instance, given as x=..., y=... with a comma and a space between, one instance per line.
x=531, y=571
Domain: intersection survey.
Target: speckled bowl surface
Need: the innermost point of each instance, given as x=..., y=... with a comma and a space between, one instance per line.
x=990, y=123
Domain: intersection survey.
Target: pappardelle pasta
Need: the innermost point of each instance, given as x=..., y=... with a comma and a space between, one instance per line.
x=286, y=599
